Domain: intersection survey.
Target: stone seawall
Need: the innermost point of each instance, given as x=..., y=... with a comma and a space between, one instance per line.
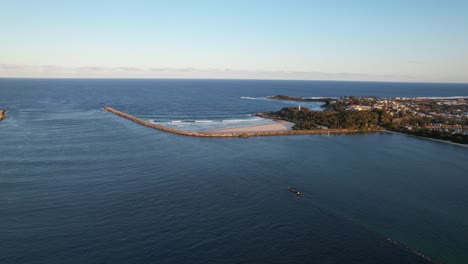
x=229, y=134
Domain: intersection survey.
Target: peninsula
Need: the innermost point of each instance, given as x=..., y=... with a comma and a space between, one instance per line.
x=436, y=118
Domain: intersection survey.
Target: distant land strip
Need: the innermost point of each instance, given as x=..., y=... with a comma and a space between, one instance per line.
x=2, y=114
x=231, y=134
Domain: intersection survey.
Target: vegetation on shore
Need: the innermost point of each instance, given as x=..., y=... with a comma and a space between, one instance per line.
x=306, y=119
x=435, y=134
x=369, y=120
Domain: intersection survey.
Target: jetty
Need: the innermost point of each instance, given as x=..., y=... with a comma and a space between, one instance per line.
x=230, y=134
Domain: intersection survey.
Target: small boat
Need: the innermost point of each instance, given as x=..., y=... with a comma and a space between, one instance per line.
x=296, y=192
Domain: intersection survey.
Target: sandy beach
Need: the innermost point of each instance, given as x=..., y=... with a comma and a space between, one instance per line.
x=277, y=126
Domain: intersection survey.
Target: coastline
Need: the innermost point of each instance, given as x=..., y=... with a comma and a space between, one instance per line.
x=433, y=139
x=279, y=125
x=2, y=114
x=233, y=134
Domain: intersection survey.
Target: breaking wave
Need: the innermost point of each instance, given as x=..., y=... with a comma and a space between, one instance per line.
x=191, y=121
x=250, y=119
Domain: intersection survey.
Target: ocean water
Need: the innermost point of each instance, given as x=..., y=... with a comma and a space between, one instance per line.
x=80, y=185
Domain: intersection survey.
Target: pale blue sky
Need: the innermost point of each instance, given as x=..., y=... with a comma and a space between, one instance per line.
x=344, y=40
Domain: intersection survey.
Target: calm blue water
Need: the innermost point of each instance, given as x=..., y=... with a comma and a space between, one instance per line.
x=80, y=185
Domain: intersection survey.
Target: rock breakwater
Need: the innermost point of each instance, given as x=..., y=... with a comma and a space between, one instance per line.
x=229, y=134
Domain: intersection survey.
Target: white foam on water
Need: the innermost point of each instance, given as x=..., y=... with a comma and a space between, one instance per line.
x=241, y=120
x=207, y=124
x=254, y=98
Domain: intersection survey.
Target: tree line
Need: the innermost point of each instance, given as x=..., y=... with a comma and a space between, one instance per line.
x=306, y=119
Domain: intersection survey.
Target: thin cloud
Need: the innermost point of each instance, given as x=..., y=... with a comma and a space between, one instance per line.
x=92, y=69
x=57, y=71
x=129, y=69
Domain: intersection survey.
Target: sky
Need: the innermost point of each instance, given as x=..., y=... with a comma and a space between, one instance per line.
x=415, y=41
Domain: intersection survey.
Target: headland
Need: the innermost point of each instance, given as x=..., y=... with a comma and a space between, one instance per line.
x=441, y=118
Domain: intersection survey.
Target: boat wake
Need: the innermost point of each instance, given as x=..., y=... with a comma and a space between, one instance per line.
x=254, y=98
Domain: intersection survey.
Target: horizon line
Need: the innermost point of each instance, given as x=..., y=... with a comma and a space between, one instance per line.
x=226, y=79
x=132, y=72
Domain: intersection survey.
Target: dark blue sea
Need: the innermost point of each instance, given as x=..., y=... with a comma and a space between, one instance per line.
x=81, y=185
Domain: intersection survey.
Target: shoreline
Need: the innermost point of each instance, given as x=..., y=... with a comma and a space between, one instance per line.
x=2, y=114
x=233, y=134
x=279, y=125
x=433, y=139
